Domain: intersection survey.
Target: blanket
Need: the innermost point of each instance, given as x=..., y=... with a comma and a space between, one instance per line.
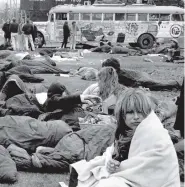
x=8, y=171
x=29, y=133
x=40, y=65
x=18, y=56
x=147, y=165
x=5, y=53
x=23, y=105
x=5, y=65
x=25, y=74
x=83, y=144
x=13, y=86
x=133, y=78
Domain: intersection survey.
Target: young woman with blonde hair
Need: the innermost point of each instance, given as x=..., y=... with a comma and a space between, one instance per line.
x=140, y=154
x=107, y=87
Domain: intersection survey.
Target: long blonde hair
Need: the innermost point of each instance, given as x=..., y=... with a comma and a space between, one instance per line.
x=131, y=99
x=108, y=82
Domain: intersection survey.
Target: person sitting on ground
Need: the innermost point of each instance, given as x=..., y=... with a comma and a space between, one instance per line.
x=107, y=87
x=60, y=104
x=141, y=144
x=134, y=78
x=173, y=52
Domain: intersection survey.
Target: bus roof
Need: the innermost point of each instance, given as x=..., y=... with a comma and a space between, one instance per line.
x=117, y=9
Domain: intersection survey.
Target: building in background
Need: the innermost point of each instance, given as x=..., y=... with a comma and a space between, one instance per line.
x=37, y=10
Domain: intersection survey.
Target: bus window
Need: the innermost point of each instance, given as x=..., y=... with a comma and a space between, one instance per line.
x=165, y=17
x=108, y=17
x=142, y=17
x=61, y=16
x=96, y=16
x=119, y=17
x=130, y=17
x=153, y=17
x=182, y=17
x=176, y=17
x=85, y=16
x=73, y=16
x=52, y=18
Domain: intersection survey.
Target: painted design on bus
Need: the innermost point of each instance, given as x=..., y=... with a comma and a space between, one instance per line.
x=175, y=30
x=95, y=31
x=132, y=28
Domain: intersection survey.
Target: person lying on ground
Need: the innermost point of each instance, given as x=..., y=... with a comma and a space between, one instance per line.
x=141, y=144
x=107, y=88
x=60, y=104
x=134, y=78
x=86, y=73
x=173, y=52
x=104, y=47
x=17, y=99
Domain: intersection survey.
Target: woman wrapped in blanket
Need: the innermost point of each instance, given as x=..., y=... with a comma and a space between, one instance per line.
x=107, y=88
x=141, y=152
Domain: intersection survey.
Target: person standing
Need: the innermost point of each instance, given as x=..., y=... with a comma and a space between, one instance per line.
x=28, y=31
x=73, y=35
x=66, y=34
x=7, y=34
x=14, y=34
x=34, y=34
x=20, y=35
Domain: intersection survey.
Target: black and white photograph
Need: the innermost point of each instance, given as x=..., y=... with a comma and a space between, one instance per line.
x=92, y=93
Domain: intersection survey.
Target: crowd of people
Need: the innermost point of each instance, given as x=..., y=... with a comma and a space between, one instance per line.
x=142, y=147
x=23, y=34
x=20, y=35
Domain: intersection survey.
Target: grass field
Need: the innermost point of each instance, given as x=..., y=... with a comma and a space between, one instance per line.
x=158, y=70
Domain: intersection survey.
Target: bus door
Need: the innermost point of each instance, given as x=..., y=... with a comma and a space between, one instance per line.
x=164, y=25
x=59, y=22
x=51, y=27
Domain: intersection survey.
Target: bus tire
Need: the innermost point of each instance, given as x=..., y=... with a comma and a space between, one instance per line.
x=145, y=41
x=133, y=44
x=40, y=39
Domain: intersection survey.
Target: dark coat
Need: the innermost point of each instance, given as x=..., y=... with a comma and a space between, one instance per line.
x=58, y=102
x=14, y=27
x=66, y=31
x=28, y=29
x=34, y=34
x=6, y=29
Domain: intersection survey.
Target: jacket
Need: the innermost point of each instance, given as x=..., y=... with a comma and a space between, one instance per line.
x=27, y=29
x=66, y=31
x=14, y=27
x=58, y=102
x=6, y=29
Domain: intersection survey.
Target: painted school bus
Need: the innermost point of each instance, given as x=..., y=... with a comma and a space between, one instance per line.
x=134, y=24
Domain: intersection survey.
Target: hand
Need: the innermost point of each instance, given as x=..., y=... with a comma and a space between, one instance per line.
x=112, y=166
x=90, y=99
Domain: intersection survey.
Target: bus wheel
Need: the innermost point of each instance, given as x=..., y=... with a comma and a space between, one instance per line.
x=145, y=41
x=40, y=40
x=133, y=44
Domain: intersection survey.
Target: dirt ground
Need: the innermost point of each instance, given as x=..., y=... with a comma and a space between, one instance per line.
x=157, y=69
